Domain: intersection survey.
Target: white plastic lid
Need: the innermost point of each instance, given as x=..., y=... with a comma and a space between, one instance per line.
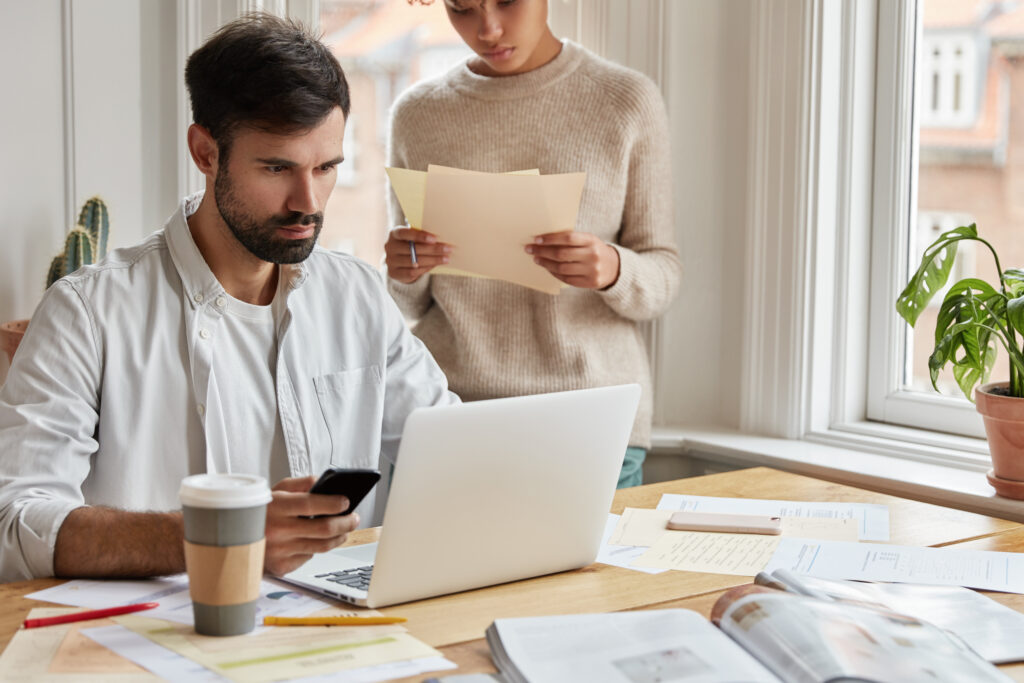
x=224, y=491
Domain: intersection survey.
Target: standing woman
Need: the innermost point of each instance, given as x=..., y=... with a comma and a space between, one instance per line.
x=528, y=100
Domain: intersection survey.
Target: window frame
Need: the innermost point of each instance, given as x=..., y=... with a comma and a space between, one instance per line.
x=895, y=206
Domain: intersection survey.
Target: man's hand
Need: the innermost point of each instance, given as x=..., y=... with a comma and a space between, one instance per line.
x=399, y=250
x=576, y=258
x=292, y=538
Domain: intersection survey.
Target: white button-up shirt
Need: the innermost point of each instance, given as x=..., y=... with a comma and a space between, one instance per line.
x=109, y=400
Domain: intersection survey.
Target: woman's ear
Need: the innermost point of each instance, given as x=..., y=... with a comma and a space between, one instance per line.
x=203, y=149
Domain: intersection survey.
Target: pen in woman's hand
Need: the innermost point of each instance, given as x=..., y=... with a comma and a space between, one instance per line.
x=412, y=252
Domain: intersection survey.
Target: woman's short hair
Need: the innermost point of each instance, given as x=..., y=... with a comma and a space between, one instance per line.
x=263, y=72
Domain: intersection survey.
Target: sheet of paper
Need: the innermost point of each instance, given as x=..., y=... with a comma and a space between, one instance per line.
x=700, y=551
x=621, y=555
x=873, y=518
x=284, y=652
x=410, y=188
x=173, y=667
x=62, y=654
x=276, y=597
x=983, y=569
x=645, y=527
x=490, y=217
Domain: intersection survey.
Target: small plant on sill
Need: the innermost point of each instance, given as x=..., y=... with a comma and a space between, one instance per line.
x=974, y=317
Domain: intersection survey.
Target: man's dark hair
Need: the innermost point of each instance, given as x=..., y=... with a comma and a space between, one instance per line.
x=263, y=72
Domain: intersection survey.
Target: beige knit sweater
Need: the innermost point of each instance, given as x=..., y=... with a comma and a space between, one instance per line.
x=577, y=113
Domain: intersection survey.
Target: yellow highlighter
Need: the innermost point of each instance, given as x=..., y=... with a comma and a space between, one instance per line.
x=331, y=621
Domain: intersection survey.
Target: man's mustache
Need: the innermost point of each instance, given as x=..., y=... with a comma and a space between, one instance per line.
x=296, y=218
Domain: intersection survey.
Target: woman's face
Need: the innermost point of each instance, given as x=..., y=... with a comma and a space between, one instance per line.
x=510, y=36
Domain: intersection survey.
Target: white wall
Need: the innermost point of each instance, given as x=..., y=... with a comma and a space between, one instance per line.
x=117, y=140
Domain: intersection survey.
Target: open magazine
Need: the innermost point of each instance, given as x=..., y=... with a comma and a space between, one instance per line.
x=994, y=631
x=763, y=636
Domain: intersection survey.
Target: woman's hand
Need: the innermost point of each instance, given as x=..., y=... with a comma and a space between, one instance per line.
x=576, y=258
x=409, y=253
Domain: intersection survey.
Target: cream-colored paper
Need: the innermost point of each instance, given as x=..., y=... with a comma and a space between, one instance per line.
x=700, y=551
x=285, y=652
x=645, y=527
x=60, y=654
x=411, y=189
x=489, y=218
x=640, y=526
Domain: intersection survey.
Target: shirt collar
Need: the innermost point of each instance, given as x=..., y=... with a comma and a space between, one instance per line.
x=199, y=282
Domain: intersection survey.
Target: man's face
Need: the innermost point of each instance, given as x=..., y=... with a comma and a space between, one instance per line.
x=272, y=190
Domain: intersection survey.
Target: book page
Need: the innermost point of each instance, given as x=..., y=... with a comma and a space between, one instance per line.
x=806, y=640
x=646, y=646
x=991, y=629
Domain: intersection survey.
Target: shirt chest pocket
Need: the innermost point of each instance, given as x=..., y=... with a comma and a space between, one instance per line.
x=352, y=405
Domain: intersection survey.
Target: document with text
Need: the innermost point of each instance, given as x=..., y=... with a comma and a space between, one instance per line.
x=873, y=519
x=983, y=569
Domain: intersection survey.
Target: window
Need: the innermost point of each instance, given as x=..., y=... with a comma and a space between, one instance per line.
x=946, y=153
x=384, y=46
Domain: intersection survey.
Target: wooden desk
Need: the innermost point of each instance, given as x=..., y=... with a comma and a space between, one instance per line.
x=455, y=623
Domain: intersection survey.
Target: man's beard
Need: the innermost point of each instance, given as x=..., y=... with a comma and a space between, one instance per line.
x=260, y=238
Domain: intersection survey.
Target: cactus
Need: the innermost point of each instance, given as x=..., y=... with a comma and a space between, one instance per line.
x=85, y=244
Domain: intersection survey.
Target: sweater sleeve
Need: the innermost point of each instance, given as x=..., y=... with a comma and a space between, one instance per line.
x=414, y=299
x=649, y=269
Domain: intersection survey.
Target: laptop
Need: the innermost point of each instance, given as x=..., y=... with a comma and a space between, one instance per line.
x=485, y=493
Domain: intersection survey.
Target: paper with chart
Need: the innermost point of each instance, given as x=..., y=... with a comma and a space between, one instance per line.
x=282, y=653
x=984, y=569
x=276, y=597
x=873, y=518
x=490, y=217
x=714, y=553
x=645, y=527
x=171, y=666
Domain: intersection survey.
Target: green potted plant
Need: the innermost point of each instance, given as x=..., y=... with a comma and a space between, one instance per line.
x=85, y=244
x=974, y=319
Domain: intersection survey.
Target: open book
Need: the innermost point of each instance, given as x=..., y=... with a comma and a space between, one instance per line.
x=764, y=636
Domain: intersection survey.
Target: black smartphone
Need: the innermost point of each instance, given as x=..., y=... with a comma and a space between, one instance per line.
x=354, y=484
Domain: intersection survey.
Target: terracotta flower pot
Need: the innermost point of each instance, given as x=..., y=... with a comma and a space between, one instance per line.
x=1004, y=426
x=10, y=336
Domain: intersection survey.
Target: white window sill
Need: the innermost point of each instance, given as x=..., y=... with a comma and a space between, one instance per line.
x=958, y=483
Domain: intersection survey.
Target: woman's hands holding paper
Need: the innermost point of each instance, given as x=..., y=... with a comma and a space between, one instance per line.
x=411, y=253
x=576, y=258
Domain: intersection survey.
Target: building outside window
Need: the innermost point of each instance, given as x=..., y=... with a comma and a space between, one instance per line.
x=384, y=46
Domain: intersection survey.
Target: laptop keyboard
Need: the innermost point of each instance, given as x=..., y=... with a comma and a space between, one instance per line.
x=359, y=577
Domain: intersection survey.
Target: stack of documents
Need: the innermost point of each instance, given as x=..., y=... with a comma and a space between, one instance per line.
x=144, y=648
x=490, y=217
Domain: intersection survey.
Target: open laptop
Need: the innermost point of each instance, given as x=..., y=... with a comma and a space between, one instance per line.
x=488, y=492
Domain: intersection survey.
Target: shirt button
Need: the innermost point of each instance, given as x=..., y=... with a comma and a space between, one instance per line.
x=221, y=302
x=202, y=409
x=198, y=298
x=204, y=333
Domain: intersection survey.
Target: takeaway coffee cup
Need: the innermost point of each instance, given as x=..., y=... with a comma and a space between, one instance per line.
x=225, y=516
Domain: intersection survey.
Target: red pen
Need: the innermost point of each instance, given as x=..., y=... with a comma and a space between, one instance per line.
x=90, y=614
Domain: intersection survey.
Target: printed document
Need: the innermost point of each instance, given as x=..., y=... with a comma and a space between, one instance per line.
x=645, y=527
x=983, y=569
x=715, y=553
x=873, y=519
x=276, y=597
